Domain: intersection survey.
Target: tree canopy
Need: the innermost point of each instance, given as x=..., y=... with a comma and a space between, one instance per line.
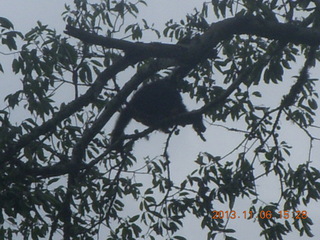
x=247, y=66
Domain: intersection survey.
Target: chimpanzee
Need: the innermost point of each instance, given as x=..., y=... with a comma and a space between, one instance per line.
x=152, y=103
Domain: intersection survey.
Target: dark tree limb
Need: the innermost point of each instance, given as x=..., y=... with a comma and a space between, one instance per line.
x=144, y=50
x=222, y=30
x=65, y=112
x=79, y=149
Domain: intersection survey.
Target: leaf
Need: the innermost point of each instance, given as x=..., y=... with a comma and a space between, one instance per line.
x=257, y=94
x=4, y=22
x=312, y=104
x=134, y=218
x=179, y=238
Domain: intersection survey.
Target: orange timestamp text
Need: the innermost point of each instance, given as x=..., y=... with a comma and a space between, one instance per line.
x=261, y=214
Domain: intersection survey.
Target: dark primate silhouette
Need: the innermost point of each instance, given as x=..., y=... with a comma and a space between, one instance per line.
x=151, y=104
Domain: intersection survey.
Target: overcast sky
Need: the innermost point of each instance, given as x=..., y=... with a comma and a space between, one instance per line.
x=25, y=14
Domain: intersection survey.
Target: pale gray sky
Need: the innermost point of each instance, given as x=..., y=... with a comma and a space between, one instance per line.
x=25, y=14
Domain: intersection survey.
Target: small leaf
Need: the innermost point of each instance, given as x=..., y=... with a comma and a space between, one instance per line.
x=4, y=22
x=257, y=94
x=313, y=104
x=134, y=218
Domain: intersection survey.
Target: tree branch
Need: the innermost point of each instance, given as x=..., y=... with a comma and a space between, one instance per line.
x=69, y=109
x=131, y=48
x=79, y=149
x=217, y=32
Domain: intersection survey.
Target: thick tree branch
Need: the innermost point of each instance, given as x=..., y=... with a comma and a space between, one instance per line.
x=142, y=49
x=286, y=32
x=68, y=110
x=217, y=32
x=79, y=149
